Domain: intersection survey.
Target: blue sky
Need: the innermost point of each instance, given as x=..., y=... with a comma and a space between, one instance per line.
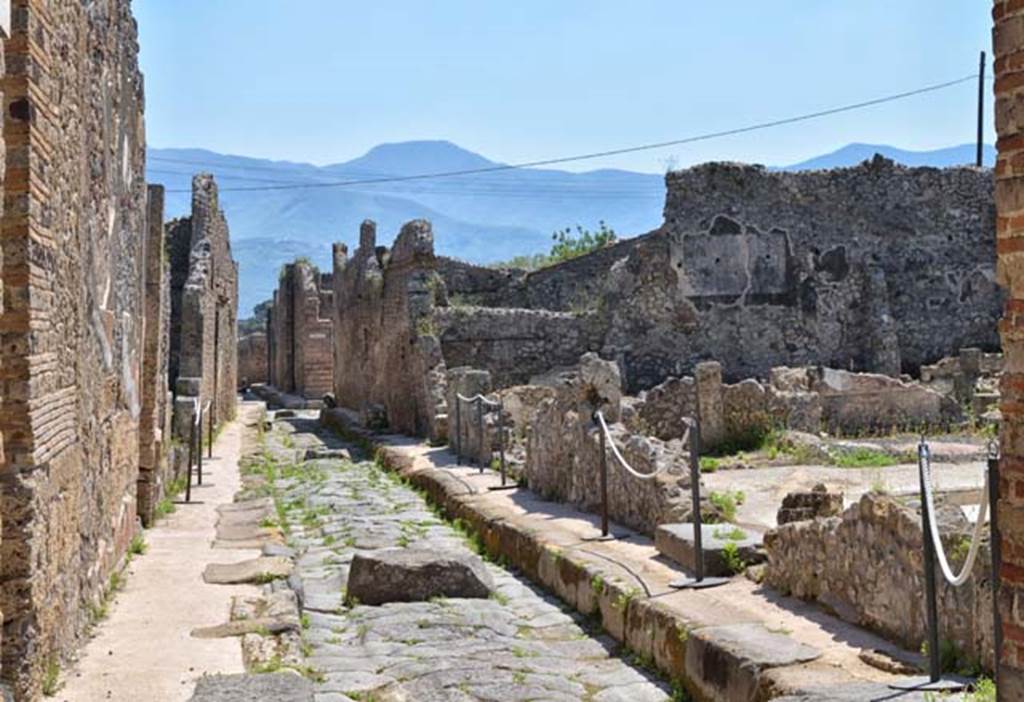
x=325, y=80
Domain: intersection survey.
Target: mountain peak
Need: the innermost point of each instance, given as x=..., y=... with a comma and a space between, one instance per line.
x=416, y=157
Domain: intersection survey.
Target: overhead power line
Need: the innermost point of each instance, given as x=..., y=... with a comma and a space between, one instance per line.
x=612, y=152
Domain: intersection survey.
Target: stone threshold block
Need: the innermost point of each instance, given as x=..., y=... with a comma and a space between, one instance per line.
x=675, y=542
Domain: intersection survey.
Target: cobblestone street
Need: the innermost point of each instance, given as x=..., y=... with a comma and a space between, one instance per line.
x=517, y=645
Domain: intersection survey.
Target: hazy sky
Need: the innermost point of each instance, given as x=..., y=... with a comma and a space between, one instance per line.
x=325, y=80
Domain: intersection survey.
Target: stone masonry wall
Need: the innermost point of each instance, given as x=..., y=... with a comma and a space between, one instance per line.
x=387, y=355
x=301, y=331
x=154, y=467
x=252, y=359
x=514, y=344
x=867, y=566
x=206, y=341
x=878, y=268
x=74, y=224
x=1008, y=47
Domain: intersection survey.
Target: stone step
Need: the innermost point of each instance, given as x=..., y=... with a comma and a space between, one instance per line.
x=675, y=542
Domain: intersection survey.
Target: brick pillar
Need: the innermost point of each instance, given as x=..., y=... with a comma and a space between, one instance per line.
x=1008, y=44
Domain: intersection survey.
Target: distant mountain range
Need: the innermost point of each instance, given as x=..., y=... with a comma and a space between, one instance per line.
x=278, y=210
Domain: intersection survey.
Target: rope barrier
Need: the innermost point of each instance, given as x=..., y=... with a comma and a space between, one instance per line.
x=622, y=461
x=956, y=580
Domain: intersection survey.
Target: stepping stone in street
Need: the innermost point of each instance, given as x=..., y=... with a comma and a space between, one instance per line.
x=254, y=570
x=267, y=687
x=406, y=575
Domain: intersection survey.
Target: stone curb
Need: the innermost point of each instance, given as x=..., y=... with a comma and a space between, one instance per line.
x=712, y=661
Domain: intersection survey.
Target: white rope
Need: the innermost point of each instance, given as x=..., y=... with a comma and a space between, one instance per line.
x=929, y=504
x=622, y=461
x=476, y=397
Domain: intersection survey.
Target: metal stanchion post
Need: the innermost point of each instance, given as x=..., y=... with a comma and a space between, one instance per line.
x=209, y=437
x=931, y=598
x=604, y=488
x=188, y=469
x=698, y=581
x=480, y=432
x=935, y=681
x=501, y=440
x=501, y=449
x=458, y=429
x=198, y=431
x=605, y=534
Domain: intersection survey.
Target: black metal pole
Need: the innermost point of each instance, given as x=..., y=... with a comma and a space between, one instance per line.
x=501, y=439
x=981, y=111
x=480, y=432
x=996, y=548
x=458, y=428
x=931, y=601
x=209, y=438
x=197, y=430
x=698, y=535
x=604, y=482
x=188, y=469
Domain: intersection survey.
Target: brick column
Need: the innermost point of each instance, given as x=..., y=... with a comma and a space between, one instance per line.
x=1008, y=44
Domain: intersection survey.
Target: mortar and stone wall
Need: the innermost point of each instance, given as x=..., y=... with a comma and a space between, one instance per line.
x=204, y=311
x=73, y=262
x=866, y=565
x=156, y=465
x=253, y=360
x=388, y=360
x=300, y=332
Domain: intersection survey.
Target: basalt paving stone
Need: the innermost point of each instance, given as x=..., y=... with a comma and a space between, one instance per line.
x=273, y=687
x=519, y=644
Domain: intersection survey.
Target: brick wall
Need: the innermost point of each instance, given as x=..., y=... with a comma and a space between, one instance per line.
x=1008, y=44
x=300, y=330
x=72, y=323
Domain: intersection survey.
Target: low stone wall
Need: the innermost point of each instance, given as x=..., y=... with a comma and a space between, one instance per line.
x=866, y=565
x=805, y=399
x=563, y=455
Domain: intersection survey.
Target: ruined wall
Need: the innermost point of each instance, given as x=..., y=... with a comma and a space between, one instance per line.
x=1008, y=45
x=866, y=566
x=563, y=455
x=252, y=359
x=154, y=467
x=301, y=331
x=386, y=352
x=205, y=335
x=878, y=268
x=73, y=318
x=514, y=344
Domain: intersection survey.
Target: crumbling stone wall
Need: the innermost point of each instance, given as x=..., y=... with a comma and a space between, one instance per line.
x=866, y=565
x=301, y=334
x=563, y=454
x=253, y=361
x=1008, y=47
x=878, y=267
x=205, y=311
x=514, y=344
x=72, y=260
x=388, y=357
x=809, y=399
